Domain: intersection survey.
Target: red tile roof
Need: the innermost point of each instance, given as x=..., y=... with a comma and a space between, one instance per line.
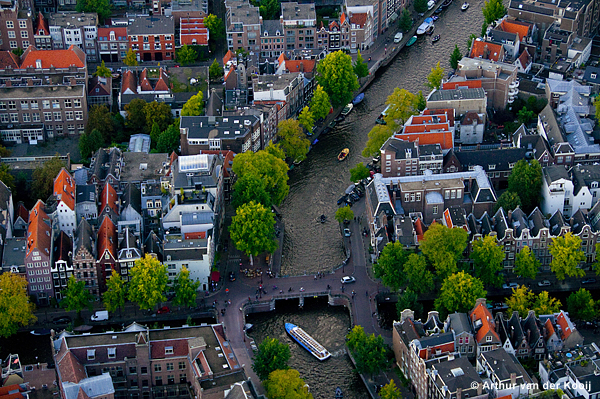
x=466, y=84
x=449, y=112
x=306, y=66
x=22, y=212
x=360, y=19
x=485, y=50
x=109, y=197
x=38, y=231
x=444, y=139
x=231, y=70
x=64, y=188
x=420, y=229
x=193, y=29
x=107, y=238
x=157, y=348
x=342, y=18
x=520, y=28
x=282, y=57
x=119, y=32
x=70, y=368
x=9, y=388
x=55, y=58
x=144, y=82
x=162, y=85
x=230, y=55
x=566, y=327
x=549, y=328
x=524, y=58
x=481, y=312
x=128, y=81
x=42, y=25
x=333, y=24
x=8, y=60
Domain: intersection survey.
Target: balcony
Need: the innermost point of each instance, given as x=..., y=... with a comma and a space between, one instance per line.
x=513, y=92
x=511, y=100
x=514, y=84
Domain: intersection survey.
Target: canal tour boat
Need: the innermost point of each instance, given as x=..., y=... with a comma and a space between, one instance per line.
x=307, y=342
x=343, y=154
x=347, y=109
x=425, y=26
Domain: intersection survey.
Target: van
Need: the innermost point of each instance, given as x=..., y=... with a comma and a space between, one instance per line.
x=100, y=315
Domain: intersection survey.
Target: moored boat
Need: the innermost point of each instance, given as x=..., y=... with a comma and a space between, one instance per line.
x=430, y=30
x=381, y=118
x=338, y=393
x=435, y=17
x=446, y=3
x=343, y=154
x=358, y=99
x=424, y=26
x=435, y=39
x=464, y=6
x=411, y=41
x=307, y=342
x=347, y=109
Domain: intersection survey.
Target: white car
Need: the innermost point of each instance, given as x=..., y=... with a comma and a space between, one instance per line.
x=510, y=286
x=397, y=39
x=348, y=279
x=544, y=283
x=347, y=233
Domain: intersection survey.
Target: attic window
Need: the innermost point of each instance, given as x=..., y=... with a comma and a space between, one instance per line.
x=112, y=353
x=593, y=76
x=488, y=338
x=91, y=354
x=143, y=166
x=168, y=350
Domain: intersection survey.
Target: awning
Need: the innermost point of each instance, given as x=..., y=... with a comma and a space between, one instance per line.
x=215, y=276
x=394, y=16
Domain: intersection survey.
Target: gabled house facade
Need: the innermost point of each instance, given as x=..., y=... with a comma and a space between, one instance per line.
x=38, y=254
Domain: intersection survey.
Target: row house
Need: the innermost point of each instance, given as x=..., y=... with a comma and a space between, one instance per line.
x=272, y=41
x=242, y=24
x=536, y=145
x=569, y=191
x=64, y=196
x=41, y=35
x=378, y=10
x=486, y=50
x=130, y=214
x=128, y=253
x=454, y=378
x=405, y=158
x=21, y=218
x=62, y=266
x=38, y=255
x=238, y=133
x=79, y=29
x=84, y=257
x=188, y=8
x=576, y=372
x=433, y=126
x=522, y=338
x=506, y=374
x=287, y=87
x=16, y=24
x=470, y=129
x=466, y=97
x=7, y=213
x=299, y=22
x=149, y=85
x=464, y=338
x=113, y=43
x=484, y=327
x=334, y=37
x=193, y=32
x=105, y=166
x=86, y=206
x=100, y=92
x=152, y=38
x=106, y=243
x=361, y=28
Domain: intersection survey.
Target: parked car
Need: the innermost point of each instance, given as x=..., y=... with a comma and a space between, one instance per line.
x=348, y=280
x=347, y=233
x=341, y=200
x=163, y=310
x=398, y=37
x=588, y=281
x=354, y=196
x=544, y=283
x=231, y=276
x=510, y=286
x=61, y=320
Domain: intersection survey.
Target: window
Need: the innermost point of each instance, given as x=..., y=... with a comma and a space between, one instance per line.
x=26, y=117
x=157, y=368
x=46, y=104
x=57, y=116
x=68, y=103
x=36, y=117
x=69, y=115
x=158, y=381
x=2, y=104
x=24, y=34
x=112, y=353
x=23, y=24
x=168, y=350
x=181, y=365
x=79, y=115
x=14, y=118
x=170, y=379
x=169, y=366
x=182, y=378
x=132, y=370
x=13, y=44
x=435, y=209
x=91, y=354
x=12, y=104
x=10, y=24
x=488, y=338
x=145, y=384
x=4, y=118
x=77, y=103
x=55, y=104
x=11, y=34
x=144, y=370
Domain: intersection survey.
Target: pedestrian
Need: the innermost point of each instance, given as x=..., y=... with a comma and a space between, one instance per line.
x=257, y=297
x=315, y=276
x=227, y=290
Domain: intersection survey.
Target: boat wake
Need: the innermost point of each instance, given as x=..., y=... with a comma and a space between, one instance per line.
x=339, y=352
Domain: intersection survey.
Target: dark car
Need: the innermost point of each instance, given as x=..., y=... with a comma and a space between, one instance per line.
x=231, y=276
x=354, y=196
x=341, y=200
x=61, y=320
x=163, y=310
x=588, y=281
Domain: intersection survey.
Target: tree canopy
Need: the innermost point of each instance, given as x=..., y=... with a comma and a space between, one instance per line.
x=89, y=143
x=15, y=309
x=581, y=305
x=186, y=55
x=343, y=214
x=336, y=74
x=270, y=168
x=159, y=113
x=403, y=104
x=444, y=247
x=130, y=58
x=292, y=139
x=215, y=26
x=409, y=300
x=286, y=384
x=250, y=188
x=148, y=282
x=455, y=57
x=102, y=7
x=306, y=119
x=566, y=256
x=215, y=71
x=186, y=289
x=377, y=137
x=42, y=183
x=114, y=297
x=526, y=180
x=136, y=117
x=523, y=300
x=359, y=172
x=369, y=351
x=526, y=265
x=271, y=355
x=420, y=6
x=7, y=178
x=76, y=296
x=103, y=71
x=434, y=79
x=459, y=293
x=252, y=229
x=488, y=259
x=99, y=118
x=269, y=9
x=420, y=279
x=493, y=10
x=361, y=69
x=169, y=140
x=390, y=391
x=320, y=104
x=406, y=21
x=508, y=201
x=390, y=265
x=194, y=106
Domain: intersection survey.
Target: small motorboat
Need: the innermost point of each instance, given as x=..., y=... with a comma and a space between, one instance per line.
x=41, y=331
x=424, y=26
x=411, y=41
x=381, y=118
x=438, y=10
x=331, y=125
x=248, y=327
x=435, y=17
x=343, y=154
x=340, y=118
x=338, y=393
x=347, y=109
x=464, y=6
x=435, y=39
x=358, y=99
x=430, y=30
x=298, y=161
x=323, y=218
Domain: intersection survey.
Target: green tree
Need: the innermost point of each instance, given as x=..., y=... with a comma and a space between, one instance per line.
x=4, y=152
x=270, y=168
x=493, y=10
x=99, y=118
x=148, y=281
x=472, y=37
x=15, y=309
x=444, y=247
x=136, y=117
x=252, y=229
x=344, y=214
x=520, y=300
x=306, y=119
x=409, y=300
x=406, y=21
x=7, y=178
x=194, y=106
x=102, y=7
x=186, y=289
x=403, y=104
x=336, y=75
x=76, y=296
x=359, y=172
x=488, y=259
x=170, y=139
x=526, y=180
x=114, y=297
x=434, y=79
x=269, y=9
x=286, y=384
x=186, y=55
x=42, y=182
x=581, y=305
x=215, y=26
x=597, y=105
x=390, y=266
x=545, y=304
x=377, y=137
x=455, y=57
x=271, y=355
x=361, y=68
x=292, y=140
x=159, y=113
x=90, y=143
x=250, y=188
x=102, y=71
x=459, y=292
x=484, y=27
x=526, y=265
x=566, y=256
x=420, y=6
x=276, y=151
x=390, y=390
x=18, y=51
x=420, y=279
x=215, y=71
x=130, y=58
x=369, y=351
x=420, y=102
x=524, y=115
x=155, y=134
x=320, y=104
x=508, y=201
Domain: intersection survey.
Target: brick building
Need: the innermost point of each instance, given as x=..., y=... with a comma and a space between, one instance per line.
x=152, y=38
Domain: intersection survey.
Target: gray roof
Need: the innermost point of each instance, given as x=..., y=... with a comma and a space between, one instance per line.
x=5, y=195
x=230, y=127
x=553, y=173
x=531, y=7
x=206, y=173
x=243, y=12
x=153, y=245
x=271, y=26
x=499, y=158
x=81, y=175
x=459, y=323
x=100, y=385
x=197, y=218
x=457, y=94
x=578, y=221
x=14, y=252
x=500, y=36
x=293, y=11
x=85, y=193
x=151, y=25
x=457, y=374
x=400, y=147
x=584, y=175
x=84, y=237
x=503, y=364
x=436, y=340
x=106, y=161
x=73, y=19
x=140, y=166
x=132, y=196
x=44, y=92
x=589, y=71
x=239, y=391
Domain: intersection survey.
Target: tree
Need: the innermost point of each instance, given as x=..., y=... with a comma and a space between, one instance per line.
x=484, y=27
x=102, y=7
x=369, y=351
x=170, y=139
x=566, y=256
x=361, y=68
x=7, y=178
x=524, y=115
x=455, y=57
x=526, y=180
x=42, y=182
x=270, y=168
x=286, y=384
x=359, y=172
x=344, y=214
x=336, y=75
x=250, y=188
x=271, y=355
x=459, y=292
x=99, y=118
x=159, y=113
x=420, y=6
x=493, y=10
x=488, y=259
x=155, y=133
x=597, y=105
x=215, y=26
x=15, y=309
x=545, y=304
x=403, y=104
x=390, y=390
x=194, y=106
x=114, y=297
x=435, y=77
x=377, y=137
x=406, y=21
x=148, y=281
x=269, y=9
x=581, y=305
x=320, y=104
x=90, y=143
x=136, y=117
x=186, y=55
x=420, y=279
x=102, y=71
x=4, y=152
x=390, y=265
x=306, y=119
x=444, y=247
x=472, y=37
x=18, y=51
x=76, y=296
x=520, y=301
x=252, y=229
x=185, y=289
x=409, y=300
x=130, y=58
x=508, y=201
x=420, y=102
x=215, y=71
x=292, y=140
x=526, y=265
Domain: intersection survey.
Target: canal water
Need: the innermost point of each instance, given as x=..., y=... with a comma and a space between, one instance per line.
x=317, y=183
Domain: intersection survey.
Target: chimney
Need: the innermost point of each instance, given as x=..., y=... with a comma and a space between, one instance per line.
x=458, y=393
x=428, y=354
x=8, y=83
x=73, y=82
x=513, y=379
x=479, y=389
x=29, y=82
x=480, y=301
